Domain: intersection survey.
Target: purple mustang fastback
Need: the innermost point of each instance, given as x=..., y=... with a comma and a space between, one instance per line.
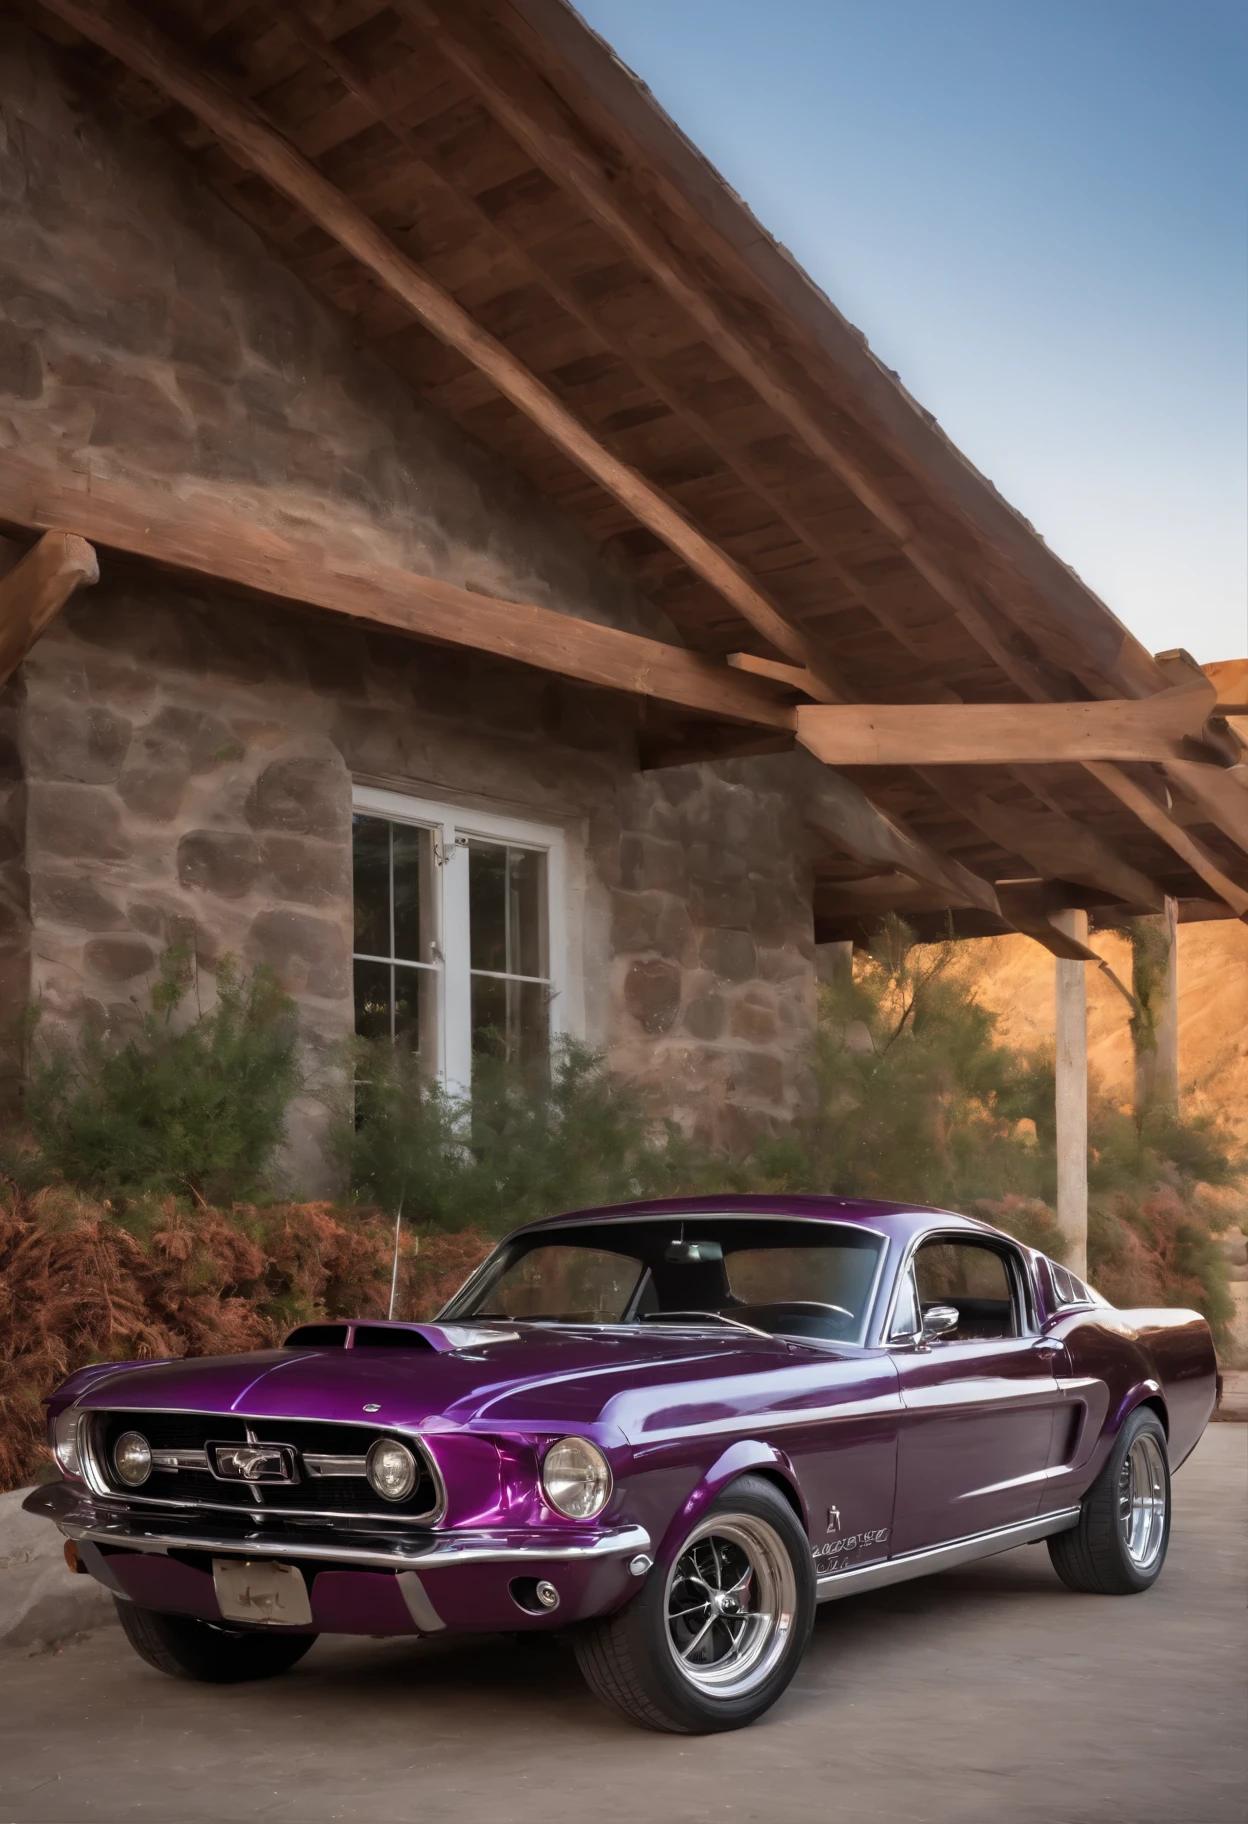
x=669, y=1429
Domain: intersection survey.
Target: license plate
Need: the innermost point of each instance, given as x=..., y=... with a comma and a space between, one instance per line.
x=261, y=1591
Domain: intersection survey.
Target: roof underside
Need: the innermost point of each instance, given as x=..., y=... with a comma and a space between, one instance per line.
x=423, y=114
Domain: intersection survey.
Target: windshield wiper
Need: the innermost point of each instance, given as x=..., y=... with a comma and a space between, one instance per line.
x=698, y=1317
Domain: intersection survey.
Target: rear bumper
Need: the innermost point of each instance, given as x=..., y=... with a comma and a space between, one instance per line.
x=374, y=1581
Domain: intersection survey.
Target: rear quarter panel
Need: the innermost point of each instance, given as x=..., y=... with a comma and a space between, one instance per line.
x=1118, y=1360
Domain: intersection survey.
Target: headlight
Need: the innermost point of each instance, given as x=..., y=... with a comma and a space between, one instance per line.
x=391, y=1469
x=576, y=1478
x=132, y=1458
x=65, y=1443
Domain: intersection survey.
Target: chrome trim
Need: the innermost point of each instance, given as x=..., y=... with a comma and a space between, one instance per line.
x=171, y=1461
x=88, y=1521
x=99, y=1485
x=319, y=1464
x=943, y=1557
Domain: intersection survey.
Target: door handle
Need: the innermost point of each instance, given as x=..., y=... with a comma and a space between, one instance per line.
x=1049, y=1345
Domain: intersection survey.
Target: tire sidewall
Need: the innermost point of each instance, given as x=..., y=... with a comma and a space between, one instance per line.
x=693, y=1710
x=1143, y=1419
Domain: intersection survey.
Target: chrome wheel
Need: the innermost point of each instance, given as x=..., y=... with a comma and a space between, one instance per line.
x=1142, y=1501
x=731, y=1602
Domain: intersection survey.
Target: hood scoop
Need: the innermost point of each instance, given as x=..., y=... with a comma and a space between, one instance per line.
x=442, y=1339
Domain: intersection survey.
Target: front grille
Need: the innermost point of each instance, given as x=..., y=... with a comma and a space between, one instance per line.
x=192, y=1432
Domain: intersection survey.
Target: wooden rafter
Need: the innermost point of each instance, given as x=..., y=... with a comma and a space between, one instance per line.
x=840, y=810
x=1020, y=658
x=1230, y=678
x=978, y=734
x=1062, y=849
x=36, y=589
x=530, y=110
x=200, y=537
x=131, y=38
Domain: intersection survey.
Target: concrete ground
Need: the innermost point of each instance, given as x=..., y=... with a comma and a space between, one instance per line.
x=988, y=1696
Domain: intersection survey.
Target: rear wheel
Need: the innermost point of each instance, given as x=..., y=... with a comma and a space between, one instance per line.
x=1119, y=1544
x=185, y=1648
x=711, y=1645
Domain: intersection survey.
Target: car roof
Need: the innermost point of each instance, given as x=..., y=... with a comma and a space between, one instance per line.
x=897, y=1220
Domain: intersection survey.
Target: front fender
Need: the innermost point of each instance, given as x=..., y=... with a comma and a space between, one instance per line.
x=738, y=1460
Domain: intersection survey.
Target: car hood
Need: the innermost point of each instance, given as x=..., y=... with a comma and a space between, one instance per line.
x=520, y=1378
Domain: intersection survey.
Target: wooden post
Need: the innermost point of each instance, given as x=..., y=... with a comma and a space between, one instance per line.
x=1157, y=1065
x=1072, y=1094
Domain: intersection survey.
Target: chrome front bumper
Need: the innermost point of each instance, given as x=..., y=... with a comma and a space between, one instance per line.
x=80, y=1514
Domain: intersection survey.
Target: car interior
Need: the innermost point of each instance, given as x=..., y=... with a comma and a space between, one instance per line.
x=976, y=1281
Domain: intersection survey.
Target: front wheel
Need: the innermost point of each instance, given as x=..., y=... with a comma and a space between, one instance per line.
x=185, y=1648
x=1119, y=1544
x=712, y=1644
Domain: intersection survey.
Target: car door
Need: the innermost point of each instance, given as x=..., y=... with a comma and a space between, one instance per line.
x=979, y=1404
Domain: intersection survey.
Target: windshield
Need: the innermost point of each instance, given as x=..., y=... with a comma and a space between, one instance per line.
x=788, y=1278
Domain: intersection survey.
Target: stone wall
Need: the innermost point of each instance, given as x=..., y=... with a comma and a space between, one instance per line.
x=180, y=761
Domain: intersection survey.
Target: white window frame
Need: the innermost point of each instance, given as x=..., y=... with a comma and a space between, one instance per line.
x=452, y=827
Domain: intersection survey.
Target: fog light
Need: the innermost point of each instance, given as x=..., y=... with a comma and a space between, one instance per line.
x=391, y=1469
x=547, y=1595
x=576, y=1478
x=132, y=1458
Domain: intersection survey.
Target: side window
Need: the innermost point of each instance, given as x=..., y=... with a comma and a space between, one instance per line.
x=1066, y=1288
x=976, y=1281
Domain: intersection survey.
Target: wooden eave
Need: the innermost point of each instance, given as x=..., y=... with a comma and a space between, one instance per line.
x=502, y=147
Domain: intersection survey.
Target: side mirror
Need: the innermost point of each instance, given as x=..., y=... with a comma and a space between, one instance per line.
x=939, y=1320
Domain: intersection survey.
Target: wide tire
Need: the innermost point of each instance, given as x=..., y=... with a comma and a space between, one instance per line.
x=1120, y=1542
x=185, y=1648
x=711, y=1643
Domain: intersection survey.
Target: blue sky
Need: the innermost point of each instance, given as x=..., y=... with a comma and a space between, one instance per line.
x=1037, y=211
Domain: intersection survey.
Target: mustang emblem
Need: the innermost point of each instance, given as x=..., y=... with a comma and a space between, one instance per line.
x=253, y=1462
x=834, y=1519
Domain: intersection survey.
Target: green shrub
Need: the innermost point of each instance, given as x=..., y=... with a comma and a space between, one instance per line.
x=915, y=1097
x=517, y=1149
x=179, y=1106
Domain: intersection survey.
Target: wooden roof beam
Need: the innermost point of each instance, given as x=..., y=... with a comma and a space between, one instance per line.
x=1230, y=679
x=836, y=808
x=997, y=734
x=118, y=29
x=533, y=114
x=200, y=537
x=36, y=589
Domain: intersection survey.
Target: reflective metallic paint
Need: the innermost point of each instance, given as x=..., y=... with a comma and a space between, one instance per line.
x=913, y=1446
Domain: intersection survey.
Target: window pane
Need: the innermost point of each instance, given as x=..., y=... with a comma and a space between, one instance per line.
x=372, y=1000
x=826, y=1275
x=487, y=906
x=507, y=908
x=526, y=912
x=975, y=1281
x=413, y=900
x=371, y=868
x=949, y=1270
x=510, y=1020
x=575, y=1285
x=415, y=1003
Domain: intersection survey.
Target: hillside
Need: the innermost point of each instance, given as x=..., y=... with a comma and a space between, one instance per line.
x=1014, y=977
